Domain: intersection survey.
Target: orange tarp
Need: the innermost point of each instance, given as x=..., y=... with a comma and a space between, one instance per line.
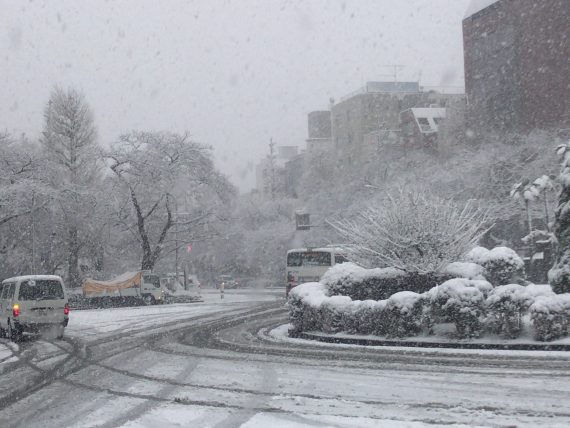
x=126, y=280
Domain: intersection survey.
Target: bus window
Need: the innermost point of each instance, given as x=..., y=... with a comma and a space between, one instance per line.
x=338, y=259
x=294, y=259
x=317, y=258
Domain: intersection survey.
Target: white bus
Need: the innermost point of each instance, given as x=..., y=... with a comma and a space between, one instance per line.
x=310, y=264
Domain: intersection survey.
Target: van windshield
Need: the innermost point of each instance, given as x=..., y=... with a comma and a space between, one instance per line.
x=41, y=289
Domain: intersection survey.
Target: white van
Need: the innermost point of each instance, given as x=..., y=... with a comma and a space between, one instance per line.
x=32, y=304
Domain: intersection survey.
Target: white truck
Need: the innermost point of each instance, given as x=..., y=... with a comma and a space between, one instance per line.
x=130, y=287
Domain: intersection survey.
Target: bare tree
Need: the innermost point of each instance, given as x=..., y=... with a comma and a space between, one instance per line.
x=413, y=231
x=154, y=171
x=69, y=142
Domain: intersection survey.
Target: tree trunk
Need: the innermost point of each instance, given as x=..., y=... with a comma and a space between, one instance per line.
x=73, y=274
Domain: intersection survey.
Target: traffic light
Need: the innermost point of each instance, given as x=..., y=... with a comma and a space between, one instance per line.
x=302, y=221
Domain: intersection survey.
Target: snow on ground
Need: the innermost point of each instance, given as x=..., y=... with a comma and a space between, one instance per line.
x=180, y=416
x=95, y=322
x=146, y=386
x=7, y=350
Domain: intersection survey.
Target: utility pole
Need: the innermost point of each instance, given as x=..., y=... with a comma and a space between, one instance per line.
x=272, y=166
x=33, y=233
x=176, y=240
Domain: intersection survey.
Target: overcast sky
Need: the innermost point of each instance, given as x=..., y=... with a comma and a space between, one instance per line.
x=233, y=73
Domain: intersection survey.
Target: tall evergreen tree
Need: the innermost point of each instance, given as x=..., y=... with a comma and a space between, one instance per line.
x=69, y=142
x=559, y=275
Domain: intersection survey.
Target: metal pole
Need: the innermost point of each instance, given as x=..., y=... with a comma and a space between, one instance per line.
x=176, y=240
x=33, y=234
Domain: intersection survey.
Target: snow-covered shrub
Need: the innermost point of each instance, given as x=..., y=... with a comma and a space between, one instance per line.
x=533, y=291
x=551, y=316
x=460, y=301
x=412, y=231
x=468, y=270
x=366, y=317
x=559, y=275
x=505, y=305
x=478, y=255
x=349, y=279
x=334, y=312
x=404, y=314
x=502, y=265
x=304, y=304
x=340, y=278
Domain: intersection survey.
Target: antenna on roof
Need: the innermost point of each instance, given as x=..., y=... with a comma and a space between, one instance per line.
x=396, y=68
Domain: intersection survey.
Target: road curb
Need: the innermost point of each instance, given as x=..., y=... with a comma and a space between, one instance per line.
x=418, y=344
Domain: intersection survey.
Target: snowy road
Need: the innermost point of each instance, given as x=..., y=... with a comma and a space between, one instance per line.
x=215, y=364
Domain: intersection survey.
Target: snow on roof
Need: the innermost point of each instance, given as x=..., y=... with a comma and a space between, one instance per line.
x=311, y=249
x=34, y=277
x=477, y=6
x=429, y=112
x=121, y=278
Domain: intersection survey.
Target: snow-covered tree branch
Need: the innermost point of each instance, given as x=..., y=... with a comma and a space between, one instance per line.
x=412, y=231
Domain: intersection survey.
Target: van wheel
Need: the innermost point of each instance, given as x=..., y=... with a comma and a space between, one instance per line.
x=14, y=334
x=148, y=300
x=3, y=332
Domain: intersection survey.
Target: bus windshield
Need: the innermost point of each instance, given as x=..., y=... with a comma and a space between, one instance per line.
x=309, y=258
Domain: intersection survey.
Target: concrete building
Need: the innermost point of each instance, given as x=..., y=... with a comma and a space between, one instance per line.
x=366, y=120
x=517, y=64
x=319, y=131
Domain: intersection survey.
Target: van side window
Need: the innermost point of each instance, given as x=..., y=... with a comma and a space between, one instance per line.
x=8, y=291
x=4, y=291
x=11, y=291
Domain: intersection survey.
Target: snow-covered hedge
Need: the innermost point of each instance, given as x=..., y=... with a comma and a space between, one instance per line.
x=473, y=305
x=366, y=317
x=505, y=306
x=459, y=301
x=466, y=270
x=403, y=314
x=502, y=265
x=349, y=279
x=304, y=306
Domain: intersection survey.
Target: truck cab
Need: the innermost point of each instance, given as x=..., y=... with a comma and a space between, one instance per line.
x=151, y=291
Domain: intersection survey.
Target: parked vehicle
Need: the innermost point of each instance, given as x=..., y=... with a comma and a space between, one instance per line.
x=228, y=281
x=33, y=304
x=310, y=264
x=130, y=287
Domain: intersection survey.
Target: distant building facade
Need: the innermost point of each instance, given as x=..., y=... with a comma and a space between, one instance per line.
x=319, y=131
x=369, y=118
x=517, y=65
